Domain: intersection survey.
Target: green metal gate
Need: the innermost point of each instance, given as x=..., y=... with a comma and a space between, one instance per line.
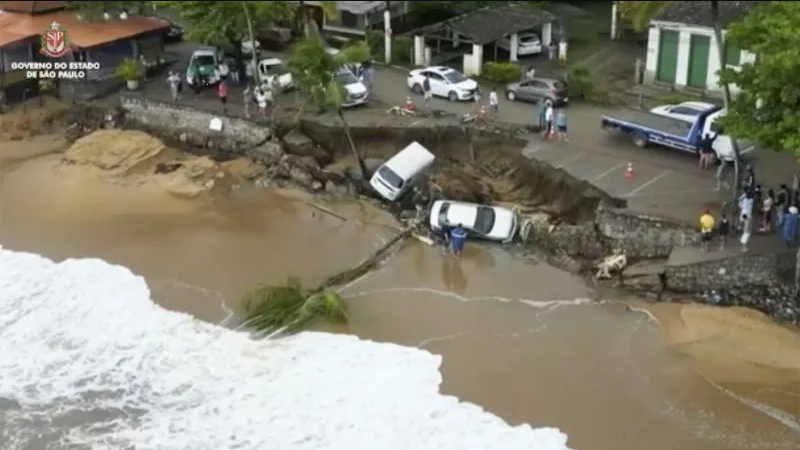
x=699, y=48
x=667, y=56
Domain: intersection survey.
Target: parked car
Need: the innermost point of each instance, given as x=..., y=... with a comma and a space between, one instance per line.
x=537, y=88
x=686, y=111
x=487, y=222
x=528, y=44
x=273, y=72
x=356, y=92
x=445, y=82
x=203, y=69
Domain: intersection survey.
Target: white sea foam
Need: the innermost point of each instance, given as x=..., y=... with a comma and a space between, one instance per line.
x=87, y=358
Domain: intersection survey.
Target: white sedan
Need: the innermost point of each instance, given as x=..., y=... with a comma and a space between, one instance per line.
x=445, y=82
x=686, y=111
x=529, y=44
x=488, y=222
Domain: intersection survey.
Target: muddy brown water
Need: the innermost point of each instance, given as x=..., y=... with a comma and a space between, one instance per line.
x=518, y=338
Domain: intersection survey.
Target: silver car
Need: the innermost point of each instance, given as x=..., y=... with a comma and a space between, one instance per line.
x=538, y=88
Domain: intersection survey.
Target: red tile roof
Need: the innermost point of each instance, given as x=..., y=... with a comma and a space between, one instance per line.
x=81, y=33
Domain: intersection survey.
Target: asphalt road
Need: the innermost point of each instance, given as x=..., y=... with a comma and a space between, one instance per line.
x=666, y=182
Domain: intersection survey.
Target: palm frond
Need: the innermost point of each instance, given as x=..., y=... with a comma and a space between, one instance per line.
x=289, y=307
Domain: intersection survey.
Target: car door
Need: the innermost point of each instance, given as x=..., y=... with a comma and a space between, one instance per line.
x=439, y=86
x=539, y=89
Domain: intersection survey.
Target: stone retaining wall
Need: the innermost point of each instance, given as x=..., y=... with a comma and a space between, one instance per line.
x=190, y=125
x=768, y=269
x=642, y=235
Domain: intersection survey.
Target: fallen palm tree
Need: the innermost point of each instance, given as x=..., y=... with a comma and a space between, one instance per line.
x=288, y=307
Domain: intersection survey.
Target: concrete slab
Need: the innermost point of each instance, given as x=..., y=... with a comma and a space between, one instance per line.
x=592, y=165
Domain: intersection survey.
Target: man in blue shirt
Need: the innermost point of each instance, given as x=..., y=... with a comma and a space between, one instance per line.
x=458, y=237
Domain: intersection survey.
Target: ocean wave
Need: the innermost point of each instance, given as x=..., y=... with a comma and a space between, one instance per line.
x=89, y=361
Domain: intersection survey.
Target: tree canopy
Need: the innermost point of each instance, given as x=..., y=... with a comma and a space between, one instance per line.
x=218, y=23
x=638, y=14
x=768, y=108
x=314, y=69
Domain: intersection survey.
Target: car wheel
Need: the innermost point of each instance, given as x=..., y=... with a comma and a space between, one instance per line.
x=452, y=96
x=640, y=140
x=417, y=89
x=511, y=95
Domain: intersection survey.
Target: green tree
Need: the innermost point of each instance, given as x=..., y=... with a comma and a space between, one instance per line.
x=228, y=23
x=317, y=75
x=639, y=14
x=768, y=108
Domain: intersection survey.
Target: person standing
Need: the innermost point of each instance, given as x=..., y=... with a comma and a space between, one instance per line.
x=548, y=120
x=494, y=102
x=426, y=88
x=767, y=207
x=222, y=92
x=562, y=51
x=791, y=221
x=561, y=125
x=746, y=201
x=541, y=108
x=261, y=99
x=706, y=151
x=723, y=231
x=247, y=96
x=174, y=81
x=746, y=231
x=458, y=237
x=707, y=223
x=781, y=203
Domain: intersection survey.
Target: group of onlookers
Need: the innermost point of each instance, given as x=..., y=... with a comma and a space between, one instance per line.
x=765, y=211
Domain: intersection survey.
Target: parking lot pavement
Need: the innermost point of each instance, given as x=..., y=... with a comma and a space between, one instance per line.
x=673, y=187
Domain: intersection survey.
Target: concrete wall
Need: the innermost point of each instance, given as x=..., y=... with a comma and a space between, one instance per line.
x=767, y=269
x=642, y=235
x=171, y=121
x=684, y=41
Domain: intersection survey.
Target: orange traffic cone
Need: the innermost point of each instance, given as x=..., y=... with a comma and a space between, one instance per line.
x=409, y=105
x=629, y=172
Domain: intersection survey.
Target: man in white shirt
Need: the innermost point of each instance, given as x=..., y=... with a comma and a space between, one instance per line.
x=494, y=102
x=548, y=119
x=562, y=51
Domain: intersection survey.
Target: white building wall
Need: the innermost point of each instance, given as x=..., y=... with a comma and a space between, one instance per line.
x=684, y=46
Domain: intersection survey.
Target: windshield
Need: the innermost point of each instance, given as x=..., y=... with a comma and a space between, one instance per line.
x=345, y=77
x=484, y=220
x=559, y=85
x=454, y=77
x=528, y=38
x=203, y=60
x=392, y=179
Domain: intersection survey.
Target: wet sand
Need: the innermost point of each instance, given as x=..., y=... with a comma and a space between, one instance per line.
x=607, y=376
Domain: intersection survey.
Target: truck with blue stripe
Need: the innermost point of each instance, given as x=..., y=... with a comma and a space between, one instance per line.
x=648, y=128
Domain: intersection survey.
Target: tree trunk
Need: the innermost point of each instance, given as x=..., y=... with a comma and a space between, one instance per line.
x=252, y=37
x=726, y=95
x=361, y=166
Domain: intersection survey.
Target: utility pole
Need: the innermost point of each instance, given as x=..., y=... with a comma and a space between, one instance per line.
x=614, y=15
x=387, y=33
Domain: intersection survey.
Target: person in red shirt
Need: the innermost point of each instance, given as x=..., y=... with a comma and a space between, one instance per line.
x=222, y=92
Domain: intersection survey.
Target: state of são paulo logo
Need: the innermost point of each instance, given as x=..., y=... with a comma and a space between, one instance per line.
x=54, y=41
